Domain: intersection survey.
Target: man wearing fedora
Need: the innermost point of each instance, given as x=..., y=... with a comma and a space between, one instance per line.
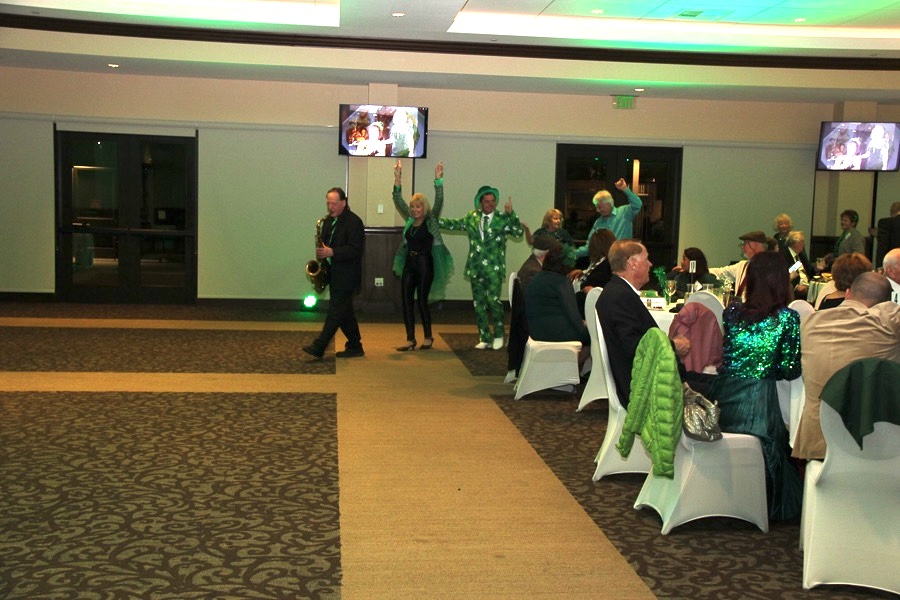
x=486, y=264
x=752, y=243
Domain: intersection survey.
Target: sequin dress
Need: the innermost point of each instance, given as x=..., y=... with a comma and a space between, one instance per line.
x=755, y=356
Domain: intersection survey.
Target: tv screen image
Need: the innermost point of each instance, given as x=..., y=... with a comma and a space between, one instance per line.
x=383, y=130
x=858, y=146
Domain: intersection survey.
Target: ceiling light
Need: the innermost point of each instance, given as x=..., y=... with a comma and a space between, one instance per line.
x=799, y=20
x=639, y=90
x=398, y=14
x=597, y=11
x=112, y=65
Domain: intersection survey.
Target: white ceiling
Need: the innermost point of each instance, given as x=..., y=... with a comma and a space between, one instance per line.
x=864, y=31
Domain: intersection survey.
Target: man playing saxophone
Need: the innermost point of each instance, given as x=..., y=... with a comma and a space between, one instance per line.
x=341, y=252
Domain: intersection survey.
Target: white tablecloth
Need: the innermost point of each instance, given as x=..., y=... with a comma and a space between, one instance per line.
x=663, y=318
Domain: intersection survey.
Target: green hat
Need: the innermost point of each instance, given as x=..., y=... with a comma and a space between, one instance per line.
x=486, y=189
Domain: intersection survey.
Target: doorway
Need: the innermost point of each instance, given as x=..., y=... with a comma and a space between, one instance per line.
x=653, y=173
x=126, y=218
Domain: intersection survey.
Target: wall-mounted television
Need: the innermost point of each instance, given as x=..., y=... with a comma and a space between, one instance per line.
x=858, y=146
x=381, y=130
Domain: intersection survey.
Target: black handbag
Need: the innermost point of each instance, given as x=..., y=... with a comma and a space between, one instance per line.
x=701, y=417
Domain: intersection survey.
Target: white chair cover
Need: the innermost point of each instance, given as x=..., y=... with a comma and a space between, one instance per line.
x=828, y=289
x=595, y=388
x=802, y=307
x=725, y=478
x=609, y=461
x=850, y=530
x=547, y=365
x=710, y=301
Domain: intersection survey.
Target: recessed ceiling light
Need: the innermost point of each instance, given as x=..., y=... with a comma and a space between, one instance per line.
x=112, y=65
x=639, y=89
x=800, y=20
x=398, y=14
x=597, y=11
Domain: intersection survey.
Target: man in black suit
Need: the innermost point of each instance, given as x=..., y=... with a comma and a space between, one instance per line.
x=888, y=233
x=624, y=318
x=795, y=250
x=343, y=242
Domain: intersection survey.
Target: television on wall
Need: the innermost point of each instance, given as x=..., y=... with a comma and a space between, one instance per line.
x=858, y=146
x=383, y=130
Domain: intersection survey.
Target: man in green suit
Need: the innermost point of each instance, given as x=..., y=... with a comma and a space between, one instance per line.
x=486, y=264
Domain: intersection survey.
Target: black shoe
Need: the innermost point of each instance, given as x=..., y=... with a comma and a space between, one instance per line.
x=313, y=351
x=350, y=353
x=410, y=345
x=428, y=343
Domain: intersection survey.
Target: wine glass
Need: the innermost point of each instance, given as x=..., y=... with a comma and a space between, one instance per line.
x=670, y=290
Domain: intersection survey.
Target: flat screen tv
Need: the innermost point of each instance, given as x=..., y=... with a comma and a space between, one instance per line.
x=379, y=130
x=858, y=146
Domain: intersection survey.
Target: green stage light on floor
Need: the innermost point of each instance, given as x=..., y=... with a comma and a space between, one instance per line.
x=310, y=301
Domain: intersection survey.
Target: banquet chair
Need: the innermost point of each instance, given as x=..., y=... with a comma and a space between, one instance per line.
x=725, y=478
x=699, y=324
x=609, y=461
x=828, y=288
x=802, y=307
x=850, y=528
x=547, y=365
x=710, y=301
x=595, y=388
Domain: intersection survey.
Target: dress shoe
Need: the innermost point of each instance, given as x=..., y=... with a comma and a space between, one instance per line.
x=482, y=345
x=350, y=353
x=410, y=345
x=498, y=343
x=313, y=351
x=427, y=345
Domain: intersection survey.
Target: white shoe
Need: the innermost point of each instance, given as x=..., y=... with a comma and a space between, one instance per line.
x=498, y=343
x=482, y=346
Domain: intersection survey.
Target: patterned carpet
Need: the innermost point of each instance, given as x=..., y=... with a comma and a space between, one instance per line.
x=480, y=363
x=713, y=558
x=170, y=496
x=159, y=351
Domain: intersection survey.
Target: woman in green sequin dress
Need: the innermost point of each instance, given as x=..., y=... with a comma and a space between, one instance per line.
x=761, y=346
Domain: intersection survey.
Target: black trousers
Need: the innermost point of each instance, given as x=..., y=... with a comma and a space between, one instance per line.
x=418, y=274
x=340, y=316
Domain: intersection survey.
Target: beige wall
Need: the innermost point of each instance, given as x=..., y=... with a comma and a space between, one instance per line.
x=268, y=153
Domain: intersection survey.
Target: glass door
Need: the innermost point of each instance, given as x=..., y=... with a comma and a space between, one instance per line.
x=126, y=218
x=654, y=174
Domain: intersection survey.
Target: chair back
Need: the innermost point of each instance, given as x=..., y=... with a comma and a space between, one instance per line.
x=614, y=402
x=512, y=282
x=595, y=388
x=710, y=301
x=698, y=323
x=802, y=307
x=828, y=288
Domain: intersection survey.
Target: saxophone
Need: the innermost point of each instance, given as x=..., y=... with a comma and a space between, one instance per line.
x=316, y=271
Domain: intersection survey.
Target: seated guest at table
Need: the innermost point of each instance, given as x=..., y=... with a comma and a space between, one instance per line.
x=551, y=226
x=845, y=270
x=865, y=325
x=892, y=270
x=684, y=279
x=782, y=225
x=795, y=250
x=761, y=346
x=518, y=324
x=850, y=240
x=752, y=243
x=598, y=272
x=550, y=306
x=540, y=245
x=623, y=316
